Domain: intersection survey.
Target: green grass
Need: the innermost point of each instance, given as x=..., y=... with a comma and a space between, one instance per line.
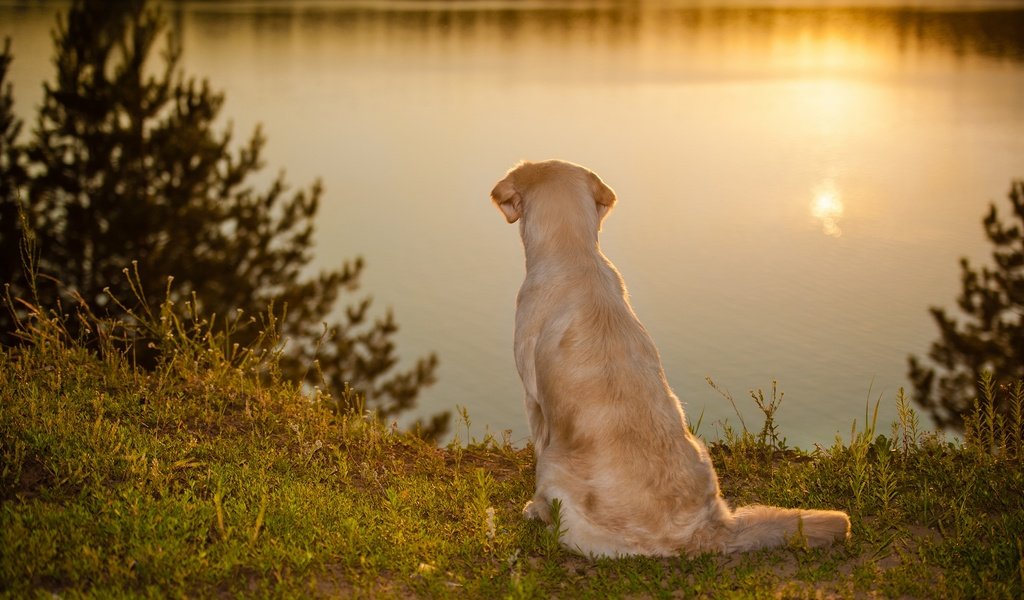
x=208, y=477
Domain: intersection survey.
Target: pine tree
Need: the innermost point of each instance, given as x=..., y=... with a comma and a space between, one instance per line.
x=12, y=178
x=126, y=170
x=990, y=336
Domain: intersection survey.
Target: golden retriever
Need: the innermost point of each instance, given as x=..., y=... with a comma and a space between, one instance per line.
x=610, y=436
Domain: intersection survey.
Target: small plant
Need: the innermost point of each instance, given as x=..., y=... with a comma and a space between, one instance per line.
x=695, y=427
x=990, y=431
x=885, y=478
x=769, y=435
x=861, y=471
x=906, y=430
x=768, y=441
x=482, y=509
x=552, y=541
x=725, y=394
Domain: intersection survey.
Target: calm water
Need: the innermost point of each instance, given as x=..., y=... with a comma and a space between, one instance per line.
x=796, y=183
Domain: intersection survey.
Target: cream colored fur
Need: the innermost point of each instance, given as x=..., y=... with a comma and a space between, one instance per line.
x=610, y=437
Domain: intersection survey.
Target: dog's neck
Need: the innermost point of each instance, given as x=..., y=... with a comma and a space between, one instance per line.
x=563, y=248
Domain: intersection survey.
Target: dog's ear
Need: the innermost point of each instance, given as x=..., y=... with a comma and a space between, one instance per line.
x=507, y=199
x=603, y=195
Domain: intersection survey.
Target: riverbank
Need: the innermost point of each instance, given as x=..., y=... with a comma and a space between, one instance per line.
x=199, y=479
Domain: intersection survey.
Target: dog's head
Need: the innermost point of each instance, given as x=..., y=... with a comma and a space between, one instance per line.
x=573, y=187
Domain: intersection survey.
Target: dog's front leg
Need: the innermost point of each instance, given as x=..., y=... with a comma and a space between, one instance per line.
x=538, y=426
x=534, y=410
x=538, y=508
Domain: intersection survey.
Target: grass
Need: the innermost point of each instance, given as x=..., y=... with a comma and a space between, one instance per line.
x=209, y=477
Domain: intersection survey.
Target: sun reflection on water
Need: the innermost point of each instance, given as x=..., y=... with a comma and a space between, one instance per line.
x=828, y=208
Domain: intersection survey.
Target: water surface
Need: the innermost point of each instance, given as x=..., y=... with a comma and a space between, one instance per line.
x=796, y=181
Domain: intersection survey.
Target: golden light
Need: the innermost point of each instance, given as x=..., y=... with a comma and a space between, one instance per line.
x=828, y=208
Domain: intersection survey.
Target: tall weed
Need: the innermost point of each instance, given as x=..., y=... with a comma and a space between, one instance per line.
x=994, y=432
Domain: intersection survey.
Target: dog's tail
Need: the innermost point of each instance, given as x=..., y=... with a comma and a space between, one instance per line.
x=758, y=526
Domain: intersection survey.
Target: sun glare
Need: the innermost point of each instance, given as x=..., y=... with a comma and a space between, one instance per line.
x=828, y=208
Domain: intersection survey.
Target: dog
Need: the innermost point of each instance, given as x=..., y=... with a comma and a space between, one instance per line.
x=610, y=437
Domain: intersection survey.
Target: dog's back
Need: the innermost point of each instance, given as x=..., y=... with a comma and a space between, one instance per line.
x=610, y=437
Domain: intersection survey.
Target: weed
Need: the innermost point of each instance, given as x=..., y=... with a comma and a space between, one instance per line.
x=885, y=477
x=769, y=435
x=906, y=429
x=555, y=530
x=768, y=441
x=990, y=431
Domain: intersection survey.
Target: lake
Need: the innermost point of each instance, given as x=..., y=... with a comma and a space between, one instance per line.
x=797, y=180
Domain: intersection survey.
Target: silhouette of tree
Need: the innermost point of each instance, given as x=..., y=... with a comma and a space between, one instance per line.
x=125, y=166
x=12, y=178
x=990, y=336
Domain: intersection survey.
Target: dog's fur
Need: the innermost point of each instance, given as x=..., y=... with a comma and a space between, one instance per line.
x=610, y=437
